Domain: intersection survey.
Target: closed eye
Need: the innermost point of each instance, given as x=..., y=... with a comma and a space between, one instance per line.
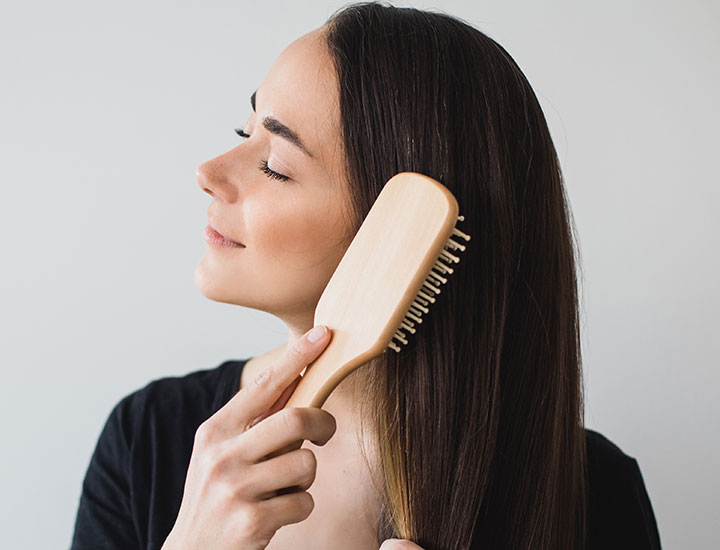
x=272, y=174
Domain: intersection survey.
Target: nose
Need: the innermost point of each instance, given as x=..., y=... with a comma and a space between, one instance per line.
x=212, y=177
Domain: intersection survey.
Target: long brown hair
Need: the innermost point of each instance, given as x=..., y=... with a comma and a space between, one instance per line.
x=478, y=420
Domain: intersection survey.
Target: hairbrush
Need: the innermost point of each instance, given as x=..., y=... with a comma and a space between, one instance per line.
x=387, y=280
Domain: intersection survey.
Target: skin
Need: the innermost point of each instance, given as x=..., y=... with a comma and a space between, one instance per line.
x=294, y=232
x=297, y=231
x=399, y=544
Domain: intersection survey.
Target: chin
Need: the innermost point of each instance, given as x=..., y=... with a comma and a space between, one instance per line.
x=226, y=288
x=211, y=286
x=281, y=295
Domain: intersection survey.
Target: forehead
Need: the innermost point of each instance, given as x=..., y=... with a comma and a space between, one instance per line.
x=301, y=91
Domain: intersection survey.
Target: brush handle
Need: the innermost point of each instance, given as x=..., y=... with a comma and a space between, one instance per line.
x=323, y=375
x=384, y=283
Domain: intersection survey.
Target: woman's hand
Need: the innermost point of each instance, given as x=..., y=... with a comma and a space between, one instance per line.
x=233, y=496
x=399, y=544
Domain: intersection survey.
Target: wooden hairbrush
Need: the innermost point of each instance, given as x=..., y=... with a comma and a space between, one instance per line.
x=389, y=275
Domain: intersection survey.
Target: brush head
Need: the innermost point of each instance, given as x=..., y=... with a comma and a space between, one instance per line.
x=389, y=275
x=386, y=264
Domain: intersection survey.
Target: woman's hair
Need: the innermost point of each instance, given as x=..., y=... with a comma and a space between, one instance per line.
x=478, y=420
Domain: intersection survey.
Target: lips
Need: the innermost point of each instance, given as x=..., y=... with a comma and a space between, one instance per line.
x=220, y=235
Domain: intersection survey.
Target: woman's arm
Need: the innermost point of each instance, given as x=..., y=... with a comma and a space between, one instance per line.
x=104, y=518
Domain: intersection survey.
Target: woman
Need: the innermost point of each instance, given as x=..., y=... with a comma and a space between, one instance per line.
x=471, y=436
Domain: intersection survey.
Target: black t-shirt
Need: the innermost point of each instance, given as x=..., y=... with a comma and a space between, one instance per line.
x=133, y=486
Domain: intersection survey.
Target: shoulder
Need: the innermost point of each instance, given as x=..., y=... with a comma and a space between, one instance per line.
x=182, y=402
x=619, y=508
x=207, y=386
x=606, y=456
x=134, y=482
x=172, y=407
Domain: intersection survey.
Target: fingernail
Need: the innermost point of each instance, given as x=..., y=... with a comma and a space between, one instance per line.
x=315, y=334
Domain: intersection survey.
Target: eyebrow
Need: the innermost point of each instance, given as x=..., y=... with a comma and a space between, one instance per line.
x=276, y=127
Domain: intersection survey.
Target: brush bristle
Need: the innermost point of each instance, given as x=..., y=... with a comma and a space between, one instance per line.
x=430, y=288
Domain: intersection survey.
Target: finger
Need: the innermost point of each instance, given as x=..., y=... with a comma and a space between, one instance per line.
x=269, y=386
x=287, y=508
x=261, y=394
x=280, y=403
x=291, y=471
x=399, y=544
x=286, y=427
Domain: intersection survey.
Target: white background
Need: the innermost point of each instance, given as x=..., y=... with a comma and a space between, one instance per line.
x=108, y=108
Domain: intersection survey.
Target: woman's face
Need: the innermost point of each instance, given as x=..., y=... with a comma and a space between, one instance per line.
x=294, y=232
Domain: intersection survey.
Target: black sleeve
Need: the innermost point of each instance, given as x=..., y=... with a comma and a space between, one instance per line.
x=134, y=484
x=104, y=517
x=645, y=510
x=621, y=516
x=634, y=522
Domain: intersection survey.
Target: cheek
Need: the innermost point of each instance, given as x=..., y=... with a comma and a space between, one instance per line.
x=297, y=232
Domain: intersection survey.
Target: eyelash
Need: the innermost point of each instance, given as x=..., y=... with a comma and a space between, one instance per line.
x=272, y=174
